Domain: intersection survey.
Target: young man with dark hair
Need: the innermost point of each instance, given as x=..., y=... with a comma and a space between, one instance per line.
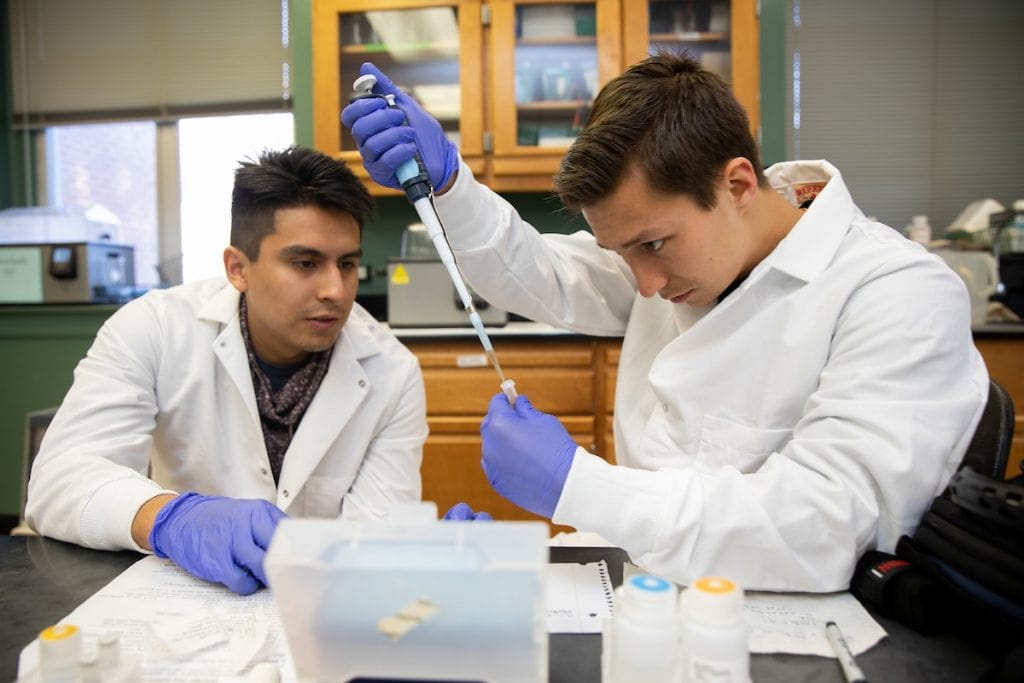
x=206, y=412
x=796, y=383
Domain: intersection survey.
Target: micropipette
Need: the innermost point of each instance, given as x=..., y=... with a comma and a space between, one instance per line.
x=416, y=184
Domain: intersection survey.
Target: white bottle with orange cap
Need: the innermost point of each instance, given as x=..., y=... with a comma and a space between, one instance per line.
x=713, y=633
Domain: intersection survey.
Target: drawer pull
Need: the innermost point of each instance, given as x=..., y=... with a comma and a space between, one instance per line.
x=471, y=360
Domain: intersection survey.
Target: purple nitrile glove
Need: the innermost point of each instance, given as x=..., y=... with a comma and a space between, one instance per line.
x=462, y=511
x=387, y=138
x=218, y=539
x=526, y=454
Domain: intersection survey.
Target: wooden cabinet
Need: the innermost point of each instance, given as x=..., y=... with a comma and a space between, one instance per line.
x=512, y=81
x=549, y=60
x=723, y=34
x=1003, y=358
x=561, y=375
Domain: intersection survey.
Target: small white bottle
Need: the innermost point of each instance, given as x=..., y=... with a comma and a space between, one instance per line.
x=920, y=230
x=641, y=641
x=713, y=633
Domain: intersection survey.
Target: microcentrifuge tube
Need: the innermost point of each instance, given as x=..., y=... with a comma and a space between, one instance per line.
x=509, y=387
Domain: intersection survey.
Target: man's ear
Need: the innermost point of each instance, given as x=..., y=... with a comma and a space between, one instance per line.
x=236, y=268
x=741, y=178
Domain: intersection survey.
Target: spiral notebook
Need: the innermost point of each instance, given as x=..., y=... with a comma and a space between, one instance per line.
x=579, y=597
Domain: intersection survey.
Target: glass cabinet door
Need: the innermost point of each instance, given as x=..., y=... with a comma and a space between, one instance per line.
x=421, y=46
x=550, y=60
x=722, y=34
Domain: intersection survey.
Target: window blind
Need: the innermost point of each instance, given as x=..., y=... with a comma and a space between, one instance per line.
x=917, y=102
x=74, y=61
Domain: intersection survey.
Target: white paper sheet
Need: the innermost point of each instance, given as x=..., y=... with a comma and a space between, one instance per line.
x=795, y=622
x=579, y=597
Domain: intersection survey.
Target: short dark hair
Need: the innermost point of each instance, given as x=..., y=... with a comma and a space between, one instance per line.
x=292, y=177
x=678, y=122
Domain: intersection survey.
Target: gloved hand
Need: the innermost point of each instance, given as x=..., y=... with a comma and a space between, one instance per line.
x=526, y=454
x=462, y=511
x=218, y=539
x=387, y=138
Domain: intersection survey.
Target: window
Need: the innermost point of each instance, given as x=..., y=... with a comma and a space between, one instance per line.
x=210, y=149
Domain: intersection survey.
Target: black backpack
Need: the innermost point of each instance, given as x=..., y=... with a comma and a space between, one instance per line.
x=962, y=571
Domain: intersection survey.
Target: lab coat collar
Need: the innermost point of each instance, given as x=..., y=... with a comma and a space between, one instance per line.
x=343, y=389
x=809, y=247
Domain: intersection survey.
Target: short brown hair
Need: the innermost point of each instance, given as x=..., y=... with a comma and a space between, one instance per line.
x=289, y=178
x=677, y=121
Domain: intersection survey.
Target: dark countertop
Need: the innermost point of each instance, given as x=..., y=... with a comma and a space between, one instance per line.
x=44, y=580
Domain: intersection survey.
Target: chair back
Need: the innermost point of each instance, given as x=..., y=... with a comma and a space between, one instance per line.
x=989, y=450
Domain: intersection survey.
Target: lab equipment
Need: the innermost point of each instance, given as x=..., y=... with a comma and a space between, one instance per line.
x=412, y=599
x=414, y=180
x=526, y=454
x=219, y=539
x=641, y=641
x=421, y=294
x=66, y=272
x=713, y=632
x=62, y=653
x=851, y=672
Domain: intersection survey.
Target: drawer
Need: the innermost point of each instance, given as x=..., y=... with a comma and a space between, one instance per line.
x=462, y=391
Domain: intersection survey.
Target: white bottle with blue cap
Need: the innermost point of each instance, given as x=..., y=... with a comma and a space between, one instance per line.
x=641, y=641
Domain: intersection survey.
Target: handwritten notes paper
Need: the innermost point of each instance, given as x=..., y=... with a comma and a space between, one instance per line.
x=795, y=622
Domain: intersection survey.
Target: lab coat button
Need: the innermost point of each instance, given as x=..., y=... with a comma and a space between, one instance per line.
x=362, y=383
x=284, y=493
x=263, y=471
x=664, y=406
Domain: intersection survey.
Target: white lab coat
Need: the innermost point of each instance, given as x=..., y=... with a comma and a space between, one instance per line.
x=773, y=438
x=164, y=401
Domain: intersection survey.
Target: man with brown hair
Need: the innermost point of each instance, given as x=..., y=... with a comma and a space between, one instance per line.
x=796, y=382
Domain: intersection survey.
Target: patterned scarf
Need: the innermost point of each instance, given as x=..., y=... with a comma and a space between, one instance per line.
x=281, y=410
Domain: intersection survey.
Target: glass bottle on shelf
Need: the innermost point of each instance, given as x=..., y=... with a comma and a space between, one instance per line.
x=701, y=27
x=556, y=64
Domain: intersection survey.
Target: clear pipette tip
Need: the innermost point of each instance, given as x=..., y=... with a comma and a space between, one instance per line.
x=509, y=388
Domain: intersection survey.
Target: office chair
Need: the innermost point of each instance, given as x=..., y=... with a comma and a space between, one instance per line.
x=36, y=423
x=989, y=449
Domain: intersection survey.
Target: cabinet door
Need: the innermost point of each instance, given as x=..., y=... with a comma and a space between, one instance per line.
x=723, y=34
x=549, y=59
x=429, y=48
x=452, y=472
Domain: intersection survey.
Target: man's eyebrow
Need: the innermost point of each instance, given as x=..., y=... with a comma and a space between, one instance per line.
x=300, y=250
x=645, y=236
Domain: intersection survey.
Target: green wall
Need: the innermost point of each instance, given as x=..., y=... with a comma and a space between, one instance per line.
x=40, y=347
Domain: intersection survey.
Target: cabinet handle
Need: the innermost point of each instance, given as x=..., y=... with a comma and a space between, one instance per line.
x=471, y=360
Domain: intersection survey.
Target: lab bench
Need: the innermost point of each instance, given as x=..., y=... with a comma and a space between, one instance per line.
x=44, y=580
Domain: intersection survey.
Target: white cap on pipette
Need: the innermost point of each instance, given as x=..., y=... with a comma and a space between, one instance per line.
x=509, y=387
